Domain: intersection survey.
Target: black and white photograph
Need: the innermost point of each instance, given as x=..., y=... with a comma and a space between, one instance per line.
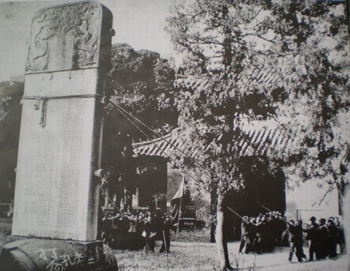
x=161, y=135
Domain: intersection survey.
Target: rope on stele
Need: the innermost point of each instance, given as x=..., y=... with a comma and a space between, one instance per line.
x=109, y=199
x=167, y=155
x=128, y=116
x=41, y=102
x=153, y=142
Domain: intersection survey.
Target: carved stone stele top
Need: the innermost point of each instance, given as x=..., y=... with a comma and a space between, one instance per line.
x=68, y=37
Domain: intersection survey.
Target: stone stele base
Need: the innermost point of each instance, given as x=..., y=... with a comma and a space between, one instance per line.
x=56, y=255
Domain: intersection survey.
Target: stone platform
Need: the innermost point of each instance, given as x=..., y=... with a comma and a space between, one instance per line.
x=56, y=255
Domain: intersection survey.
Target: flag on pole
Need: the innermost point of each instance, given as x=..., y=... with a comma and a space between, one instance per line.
x=176, y=201
x=180, y=192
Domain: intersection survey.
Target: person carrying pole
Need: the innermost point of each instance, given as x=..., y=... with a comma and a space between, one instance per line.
x=296, y=241
x=166, y=235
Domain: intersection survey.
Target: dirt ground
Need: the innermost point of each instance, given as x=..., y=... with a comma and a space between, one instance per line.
x=202, y=256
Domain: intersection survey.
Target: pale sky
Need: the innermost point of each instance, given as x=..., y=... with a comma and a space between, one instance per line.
x=140, y=23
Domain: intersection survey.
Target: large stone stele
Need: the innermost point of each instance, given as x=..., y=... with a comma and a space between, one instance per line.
x=56, y=195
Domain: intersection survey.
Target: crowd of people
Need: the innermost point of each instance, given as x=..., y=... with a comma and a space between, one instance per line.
x=259, y=234
x=324, y=238
x=262, y=233
x=136, y=230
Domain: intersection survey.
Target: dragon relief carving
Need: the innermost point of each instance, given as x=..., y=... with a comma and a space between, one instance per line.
x=80, y=21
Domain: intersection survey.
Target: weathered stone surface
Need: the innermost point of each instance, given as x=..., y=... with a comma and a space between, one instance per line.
x=54, y=162
x=56, y=255
x=56, y=194
x=66, y=37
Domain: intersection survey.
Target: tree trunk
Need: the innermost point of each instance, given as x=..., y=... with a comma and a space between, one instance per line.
x=221, y=242
x=344, y=201
x=342, y=190
x=213, y=209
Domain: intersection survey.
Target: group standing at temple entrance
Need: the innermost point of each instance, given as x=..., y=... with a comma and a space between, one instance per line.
x=324, y=239
x=137, y=230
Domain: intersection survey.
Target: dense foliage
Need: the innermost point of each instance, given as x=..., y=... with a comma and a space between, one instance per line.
x=142, y=84
x=262, y=60
x=10, y=114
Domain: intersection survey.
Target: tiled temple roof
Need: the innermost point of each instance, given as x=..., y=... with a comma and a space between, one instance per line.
x=161, y=146
x=257, y=138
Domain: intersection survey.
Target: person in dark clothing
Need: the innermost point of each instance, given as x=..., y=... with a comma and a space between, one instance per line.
x=323, y=238
x=341, y=237
x=165, y=231
x=312, y=236
x=296, y=241
x=149, y=235
x=333, y=238
x=251, y=231
x=106, y=228
x=259, y=238
x=267, y=233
